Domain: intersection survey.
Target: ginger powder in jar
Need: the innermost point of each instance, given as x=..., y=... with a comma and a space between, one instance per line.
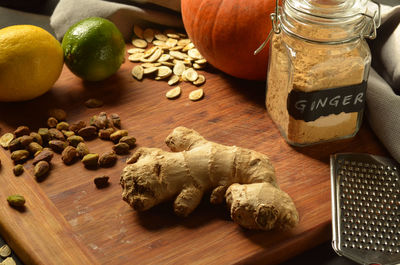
x=318, y=68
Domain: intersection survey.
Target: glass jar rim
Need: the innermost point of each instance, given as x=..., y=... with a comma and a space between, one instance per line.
x=363, y=24
x=330, y=9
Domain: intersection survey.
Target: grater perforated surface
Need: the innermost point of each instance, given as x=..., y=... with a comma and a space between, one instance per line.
x=366, y=208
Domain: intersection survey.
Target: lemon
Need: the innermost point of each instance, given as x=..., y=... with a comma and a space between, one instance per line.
x=94, y=48
x=31, y=61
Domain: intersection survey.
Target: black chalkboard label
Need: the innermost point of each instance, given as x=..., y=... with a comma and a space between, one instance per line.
x=309, y=106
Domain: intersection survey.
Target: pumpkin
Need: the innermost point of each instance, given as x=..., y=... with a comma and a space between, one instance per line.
x=228, y=32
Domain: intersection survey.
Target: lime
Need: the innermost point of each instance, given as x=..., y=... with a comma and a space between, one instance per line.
x=31, y=60
x=94, y=48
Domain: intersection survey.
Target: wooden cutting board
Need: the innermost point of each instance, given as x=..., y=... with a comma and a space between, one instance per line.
x=68, y=221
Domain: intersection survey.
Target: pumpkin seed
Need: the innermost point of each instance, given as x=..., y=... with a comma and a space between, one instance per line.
x=6, y=139
x=135, y=57
x=171, y=42
x=190, y=74
x=5, y=251
x=173, y=80
x=137, y=72
x=147, y=65
x=173, y=93
x=183, y=78
x=171, y=50
x=194, y=53
x=148, y=35
x=187, y=62
x=168, y=64
x=188, y=47
x=175, y=61
x=183, y=42
x=198, y=66
x=182, y=35
x=177, y=55
x=150, y=70
x=196, y=94
x=164, y=47
x=154, y=57
x=176, y=48
x=139, y=43
x=164, y=58
x=164, y=72
x=201, y=61
x=200, y=80
x=138, y=31
x=149, y=51
x=135, y=50
x=179, y=68
x=158, y=42
x=173, y=36
x=161, y=37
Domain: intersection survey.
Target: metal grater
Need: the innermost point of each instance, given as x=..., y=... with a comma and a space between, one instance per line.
x=366, y=208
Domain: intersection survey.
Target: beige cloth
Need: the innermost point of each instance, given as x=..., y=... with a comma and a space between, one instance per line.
x=124, y=15
x=383, y=92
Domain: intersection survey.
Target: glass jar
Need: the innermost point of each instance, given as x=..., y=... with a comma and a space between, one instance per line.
x=318, y=68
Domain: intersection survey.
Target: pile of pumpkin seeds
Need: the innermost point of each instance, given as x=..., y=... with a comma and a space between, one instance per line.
x=5, y=253
x=68, y=140
x=167, y=55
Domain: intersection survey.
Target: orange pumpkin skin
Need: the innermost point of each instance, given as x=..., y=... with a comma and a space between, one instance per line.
x=227, y=32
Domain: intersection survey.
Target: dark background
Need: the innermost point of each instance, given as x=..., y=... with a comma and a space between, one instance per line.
x=38, y=12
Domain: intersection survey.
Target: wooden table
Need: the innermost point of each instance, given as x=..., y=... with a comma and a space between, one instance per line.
x=68, y=221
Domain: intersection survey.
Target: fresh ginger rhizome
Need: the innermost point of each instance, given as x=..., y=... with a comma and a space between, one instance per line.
x=244, y=178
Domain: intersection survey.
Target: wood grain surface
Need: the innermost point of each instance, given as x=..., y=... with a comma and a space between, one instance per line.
x=67, y=215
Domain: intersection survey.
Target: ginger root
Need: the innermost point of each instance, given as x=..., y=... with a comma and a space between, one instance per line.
x=244, y=178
